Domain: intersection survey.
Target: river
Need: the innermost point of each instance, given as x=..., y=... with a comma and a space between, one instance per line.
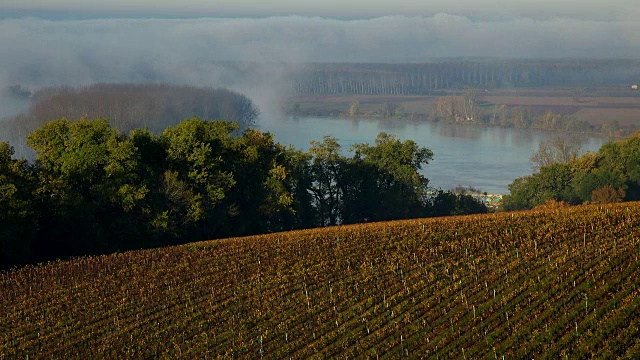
x=486, y=158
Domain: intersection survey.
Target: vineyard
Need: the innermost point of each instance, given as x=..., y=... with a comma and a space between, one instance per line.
x=544, y=283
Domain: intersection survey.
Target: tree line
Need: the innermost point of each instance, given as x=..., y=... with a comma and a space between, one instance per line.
x=471, y=108
x=127, y=106
x=566, y=176
x=93, y=189
x=427, y=78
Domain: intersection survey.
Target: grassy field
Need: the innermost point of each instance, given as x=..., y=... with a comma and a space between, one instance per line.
x=596, y=106
x=544, y=283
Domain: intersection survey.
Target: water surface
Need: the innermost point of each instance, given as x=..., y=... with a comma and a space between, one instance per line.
x=485, y=158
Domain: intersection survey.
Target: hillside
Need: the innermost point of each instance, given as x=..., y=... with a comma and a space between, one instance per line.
x=544, y=284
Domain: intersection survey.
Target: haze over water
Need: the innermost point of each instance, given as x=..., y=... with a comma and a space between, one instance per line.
x=485, y=158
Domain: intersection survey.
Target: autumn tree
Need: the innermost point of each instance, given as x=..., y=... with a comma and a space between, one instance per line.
x=503, y=113
x=468, y=106
x=354, y=109
x=607, y=195
x=551, y=121
x=560, y=150
x=521, y=117
x=445, y=109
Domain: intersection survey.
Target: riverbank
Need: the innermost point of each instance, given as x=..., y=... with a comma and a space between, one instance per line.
x=606, y=111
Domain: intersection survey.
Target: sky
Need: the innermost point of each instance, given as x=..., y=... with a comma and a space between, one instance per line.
x=78, y=42
x=489, y=9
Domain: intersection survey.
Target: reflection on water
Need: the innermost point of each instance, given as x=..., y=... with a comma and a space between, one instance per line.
x=486, y=158
x=392, y=125
x=457, y=131
x=354, y=124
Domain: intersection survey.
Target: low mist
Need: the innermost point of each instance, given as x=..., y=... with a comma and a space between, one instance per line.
x=13, y=100
x=42, y=52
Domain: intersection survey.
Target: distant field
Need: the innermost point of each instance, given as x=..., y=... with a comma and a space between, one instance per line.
x=538, y=284
x=334, y=105
x=596, y=106
x=624, y=116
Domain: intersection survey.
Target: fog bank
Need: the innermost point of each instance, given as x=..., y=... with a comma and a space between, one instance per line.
x=37, y=52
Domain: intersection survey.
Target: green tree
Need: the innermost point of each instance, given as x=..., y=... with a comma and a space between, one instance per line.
x=553, y=182
x=89, y=186
x=198, y=176
x=299, y=181
x=613, y=174
x=359, y=185
x=623, y=157
x=217, y=184
x=326, y=169
x=447, y=203
x=618, y=165
x=400, y=188
x=18, y=222
x=262, y=196
x=598, y=178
